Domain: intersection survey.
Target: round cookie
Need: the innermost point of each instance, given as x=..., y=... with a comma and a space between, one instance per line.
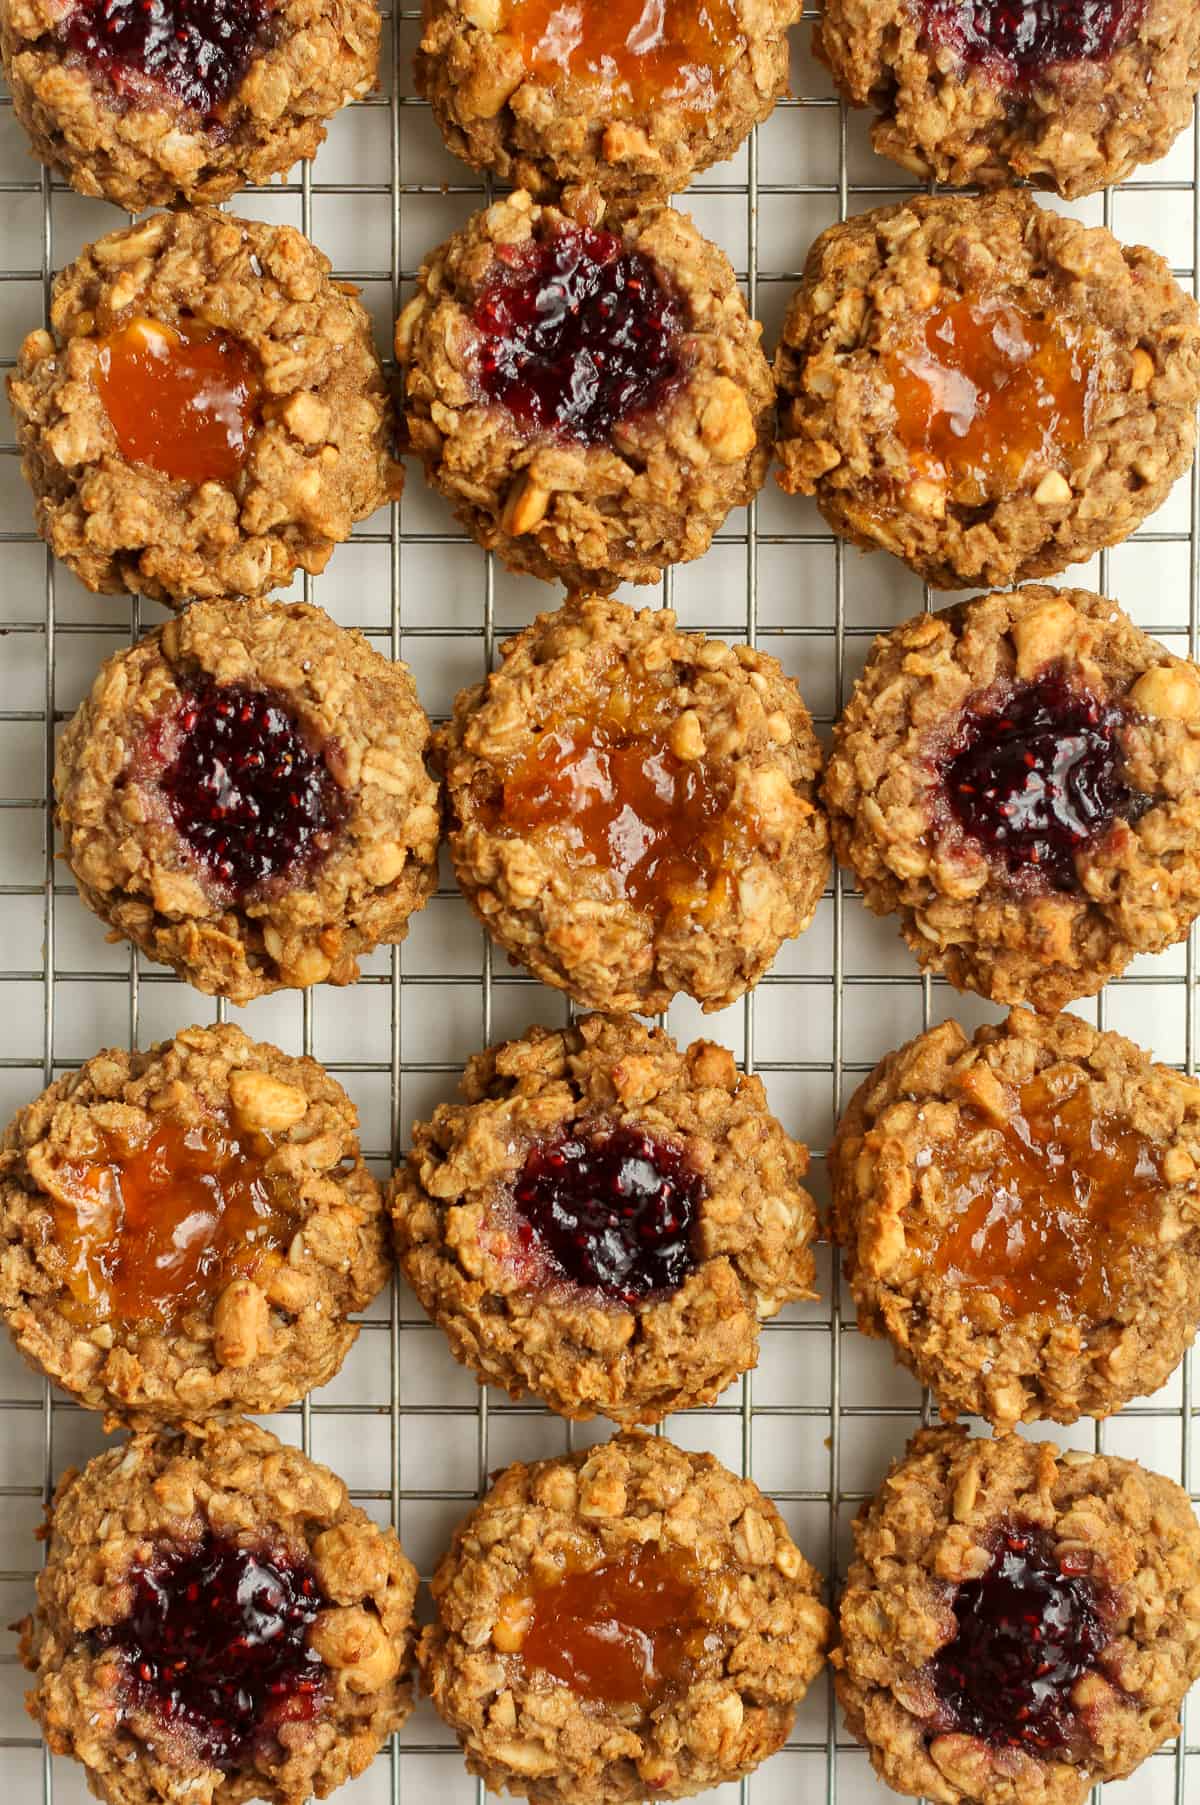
x=1020, y=1216
x=633, y=808
x=1017, y=778
x=987, y=389
x=186, y=1231
x=217, y=1621
x=1070, y=97
x=591, y=401
x=626, y=1622
x=243, y=795
x=1019, y=1622
x=208, y=414
x=142, y=102
x=605, y=1220
x=546, y=96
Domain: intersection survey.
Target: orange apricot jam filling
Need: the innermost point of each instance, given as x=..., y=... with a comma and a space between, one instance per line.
x=1059, y=1217
x=183, y=400
x=988, y=394
x=642, y=53
x=633, y=1631
x=603, y=783
x=154, y=1228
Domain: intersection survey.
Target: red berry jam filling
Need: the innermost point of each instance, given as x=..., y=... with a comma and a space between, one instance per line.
x=1013, y=40
x=216, y=1647
x=578, y=334
x=245, y=788
x=195, y=50
x=1036, y=777
x=614, y=1211
x=1027, y=1630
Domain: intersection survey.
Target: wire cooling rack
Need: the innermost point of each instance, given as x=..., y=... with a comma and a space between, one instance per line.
x=824, y=1412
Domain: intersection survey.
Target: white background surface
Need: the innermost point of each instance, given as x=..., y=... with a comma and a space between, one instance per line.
x=825, y=1411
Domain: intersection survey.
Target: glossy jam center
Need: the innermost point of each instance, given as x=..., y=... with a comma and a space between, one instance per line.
x=1037, y=778
x=246, y=790
x=612, y=1210
x=630, y=1632
x=1057, y=1215
x=644, y=53
x=216, y=1648
x=1015, y=39
x=195, y=50
x=577, y=334
x=183, y=401
x=604, y=782
x=1027, y=1630
x=158, y=1228
x=986, y=394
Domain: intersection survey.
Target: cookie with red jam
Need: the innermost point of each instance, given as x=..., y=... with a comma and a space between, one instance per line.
x=244, y=796
x=1070, y=96
x=144, y=102
x=604, y=1221
x=987, y=389
x=1019, y=1622
x=1020, y=1216
x=1017, y=779
x=207, y=414
x=186, y=1231
x=633, y=809
x=633, y=103
x=628, y=1623
x=591, y=400
x=216, y=1620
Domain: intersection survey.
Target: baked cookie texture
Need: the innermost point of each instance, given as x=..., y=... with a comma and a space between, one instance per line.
x=509, y=100
x=364, y=831
x=735, y=860
x=1130, y=885
x=1074, y=124
x=1020, y=1216
x=527, y=1732
x=137, y=143
x=1083, y=364
x=103, y=1286
x=942, y=1514
x=522, y=1317
x=143, y=1508
x=319, y=453
x=657, y=484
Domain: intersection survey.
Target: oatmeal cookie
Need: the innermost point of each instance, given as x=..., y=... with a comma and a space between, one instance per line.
x=208, y=414
x=1018, y=779
x=216, y=1622
x=1020, y=1216
x=633, y=808
x=185, y=1231
x=987, y=389
x=142, y=102
x=1071, y=97
x=1019, y=1623
x=592, y=402
x=628, y=1621
x=243, y=795
x=507, y=1231
x=546, y=96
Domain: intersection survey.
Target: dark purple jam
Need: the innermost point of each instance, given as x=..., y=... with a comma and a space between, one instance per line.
x=1015, y=39
x=247, y=791
x=1038, y=777
x=216, y=1647
x=1026, y=1632
x=578, y=334
x=614, y=1211
x=197, y=50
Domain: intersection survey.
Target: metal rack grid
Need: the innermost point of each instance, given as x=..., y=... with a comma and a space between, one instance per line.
x=399, y=1039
